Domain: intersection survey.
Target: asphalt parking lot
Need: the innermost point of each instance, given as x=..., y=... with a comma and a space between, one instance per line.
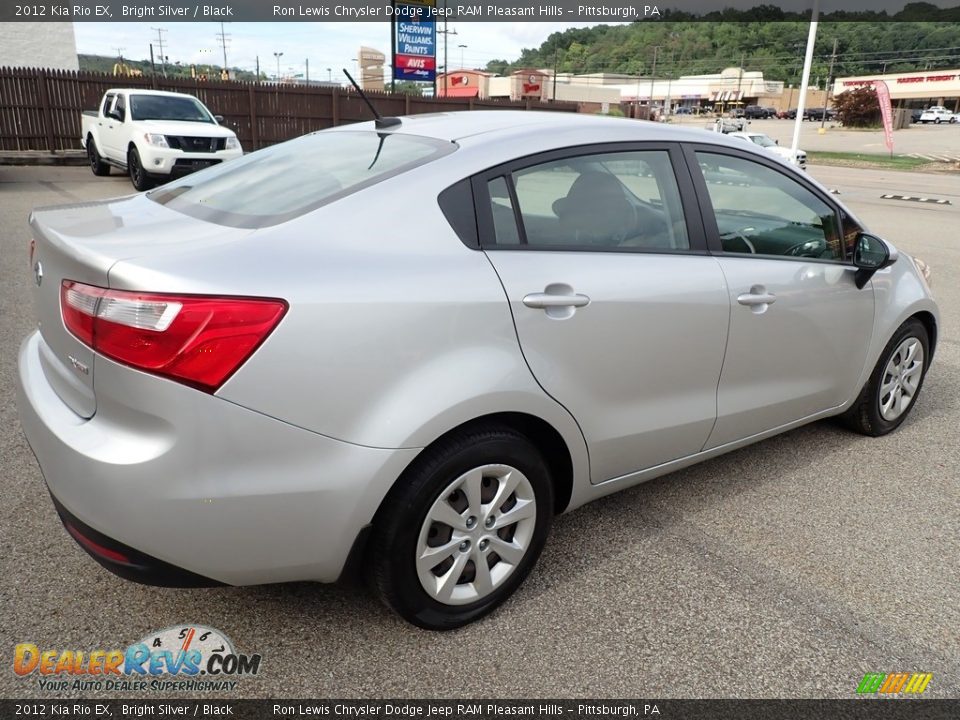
x=787, y=569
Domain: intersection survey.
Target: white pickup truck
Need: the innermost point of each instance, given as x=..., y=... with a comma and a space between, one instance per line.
x=937, y=114
x=154, y=136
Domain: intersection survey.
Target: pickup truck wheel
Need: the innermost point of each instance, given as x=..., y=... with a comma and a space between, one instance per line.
x=138, y=176
x=937, y=121
x=99, y=167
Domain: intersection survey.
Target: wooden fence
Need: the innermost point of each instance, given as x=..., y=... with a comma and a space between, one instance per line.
x=40, y=109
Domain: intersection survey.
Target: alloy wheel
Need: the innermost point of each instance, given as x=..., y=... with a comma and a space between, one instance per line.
x=901, y=379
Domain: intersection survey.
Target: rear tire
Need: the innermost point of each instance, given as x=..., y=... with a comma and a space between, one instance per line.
x=895, y=383
x=483, y=495
x=138, y=176
x=97, y=165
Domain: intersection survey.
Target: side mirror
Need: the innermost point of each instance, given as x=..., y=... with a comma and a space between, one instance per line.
x=219, y=119
x=871, y=254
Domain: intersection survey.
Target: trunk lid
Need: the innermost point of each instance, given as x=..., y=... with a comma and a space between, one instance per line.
x=82, y=242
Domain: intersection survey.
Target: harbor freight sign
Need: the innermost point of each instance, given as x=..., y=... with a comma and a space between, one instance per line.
x=415, y=40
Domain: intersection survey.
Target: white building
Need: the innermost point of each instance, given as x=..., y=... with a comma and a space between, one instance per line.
x=38, y=45
x=914, y=89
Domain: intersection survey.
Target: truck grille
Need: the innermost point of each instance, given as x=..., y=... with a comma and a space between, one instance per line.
x=195, y=144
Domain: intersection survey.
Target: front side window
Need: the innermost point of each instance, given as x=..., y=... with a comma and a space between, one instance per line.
x=167, y=107
x=287, y=180
x=764, y=212
x=612, y=200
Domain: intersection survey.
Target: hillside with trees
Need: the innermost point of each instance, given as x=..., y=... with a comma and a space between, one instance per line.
x=765, y=39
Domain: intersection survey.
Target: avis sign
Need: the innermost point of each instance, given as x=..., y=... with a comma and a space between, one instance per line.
x=415, y=40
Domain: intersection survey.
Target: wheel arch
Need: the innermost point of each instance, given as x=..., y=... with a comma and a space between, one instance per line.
x=547, y=439
x=930, y=323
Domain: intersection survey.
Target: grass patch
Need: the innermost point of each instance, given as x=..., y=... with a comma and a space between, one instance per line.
x=850, y=159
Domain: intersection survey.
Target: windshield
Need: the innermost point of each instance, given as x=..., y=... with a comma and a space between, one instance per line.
x=167, y=107
x=762, y=140
x=293, y=178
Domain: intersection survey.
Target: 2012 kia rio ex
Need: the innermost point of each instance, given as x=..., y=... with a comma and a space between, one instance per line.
x=404, y=347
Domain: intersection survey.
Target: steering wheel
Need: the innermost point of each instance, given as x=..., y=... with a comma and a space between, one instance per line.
x=809, y=248
x=738, y=235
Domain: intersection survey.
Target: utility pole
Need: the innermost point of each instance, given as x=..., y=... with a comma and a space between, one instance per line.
x=828, y=92
x=258, y=68
x=223, y=43
x=653, y=76
x=445, y=32
x=553, y=96
x=308, y=70
x=743, y=59
x=163, y=63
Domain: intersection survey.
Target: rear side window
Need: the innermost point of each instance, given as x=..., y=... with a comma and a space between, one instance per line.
x=288, y=180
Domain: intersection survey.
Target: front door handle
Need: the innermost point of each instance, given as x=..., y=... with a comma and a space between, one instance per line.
x=758, y=299
x=547, y=300
x=558, y=301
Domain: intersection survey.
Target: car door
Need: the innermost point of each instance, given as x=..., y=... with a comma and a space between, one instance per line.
x=620, y=311
x=112, y=130
x=799, y=326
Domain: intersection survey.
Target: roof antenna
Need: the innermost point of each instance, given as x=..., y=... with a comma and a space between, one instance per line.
x=380, y=122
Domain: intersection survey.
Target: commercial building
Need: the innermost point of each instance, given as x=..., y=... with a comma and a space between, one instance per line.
x=38, y=44
x=914, y=89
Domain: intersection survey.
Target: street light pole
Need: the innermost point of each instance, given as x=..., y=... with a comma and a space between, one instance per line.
x=462, y=48
x=653, y=75
x=278, y=55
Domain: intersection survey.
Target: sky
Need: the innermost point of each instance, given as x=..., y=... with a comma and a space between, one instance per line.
x=327, y=45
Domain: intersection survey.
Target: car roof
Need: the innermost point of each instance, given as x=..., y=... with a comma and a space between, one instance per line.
x=495, y=125
x=147, y=91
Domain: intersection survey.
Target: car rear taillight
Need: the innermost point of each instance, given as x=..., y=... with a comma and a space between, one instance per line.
x=194, y=339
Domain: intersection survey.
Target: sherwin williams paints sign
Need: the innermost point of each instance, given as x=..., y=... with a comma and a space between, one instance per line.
x=415, y=40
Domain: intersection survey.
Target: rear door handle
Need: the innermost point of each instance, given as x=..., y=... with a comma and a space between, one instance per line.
x=548, y=300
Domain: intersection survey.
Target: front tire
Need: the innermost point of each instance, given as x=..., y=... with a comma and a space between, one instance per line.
x=462, y=529
x=138, y=176
x=895, y=383
x=97, y=165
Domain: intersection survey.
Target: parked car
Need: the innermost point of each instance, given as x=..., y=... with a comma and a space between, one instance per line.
x=727, y=125
x=771, y=111
x=755, y=112
x=154, y=136
x=790, y=114
x=915, y=115
x=937, y=114
x=683, y=110
x=246, y=376
x=765, y=141
x=818, y=113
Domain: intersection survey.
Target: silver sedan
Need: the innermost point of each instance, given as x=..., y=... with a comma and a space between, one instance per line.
x=400, y=349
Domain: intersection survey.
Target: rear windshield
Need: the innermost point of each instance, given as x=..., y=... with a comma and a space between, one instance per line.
x=166, y=107
x=288, y=180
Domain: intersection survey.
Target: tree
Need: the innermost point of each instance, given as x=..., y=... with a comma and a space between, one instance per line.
x=858, y=107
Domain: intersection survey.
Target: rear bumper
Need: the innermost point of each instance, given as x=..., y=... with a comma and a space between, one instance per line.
x=177, y=481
